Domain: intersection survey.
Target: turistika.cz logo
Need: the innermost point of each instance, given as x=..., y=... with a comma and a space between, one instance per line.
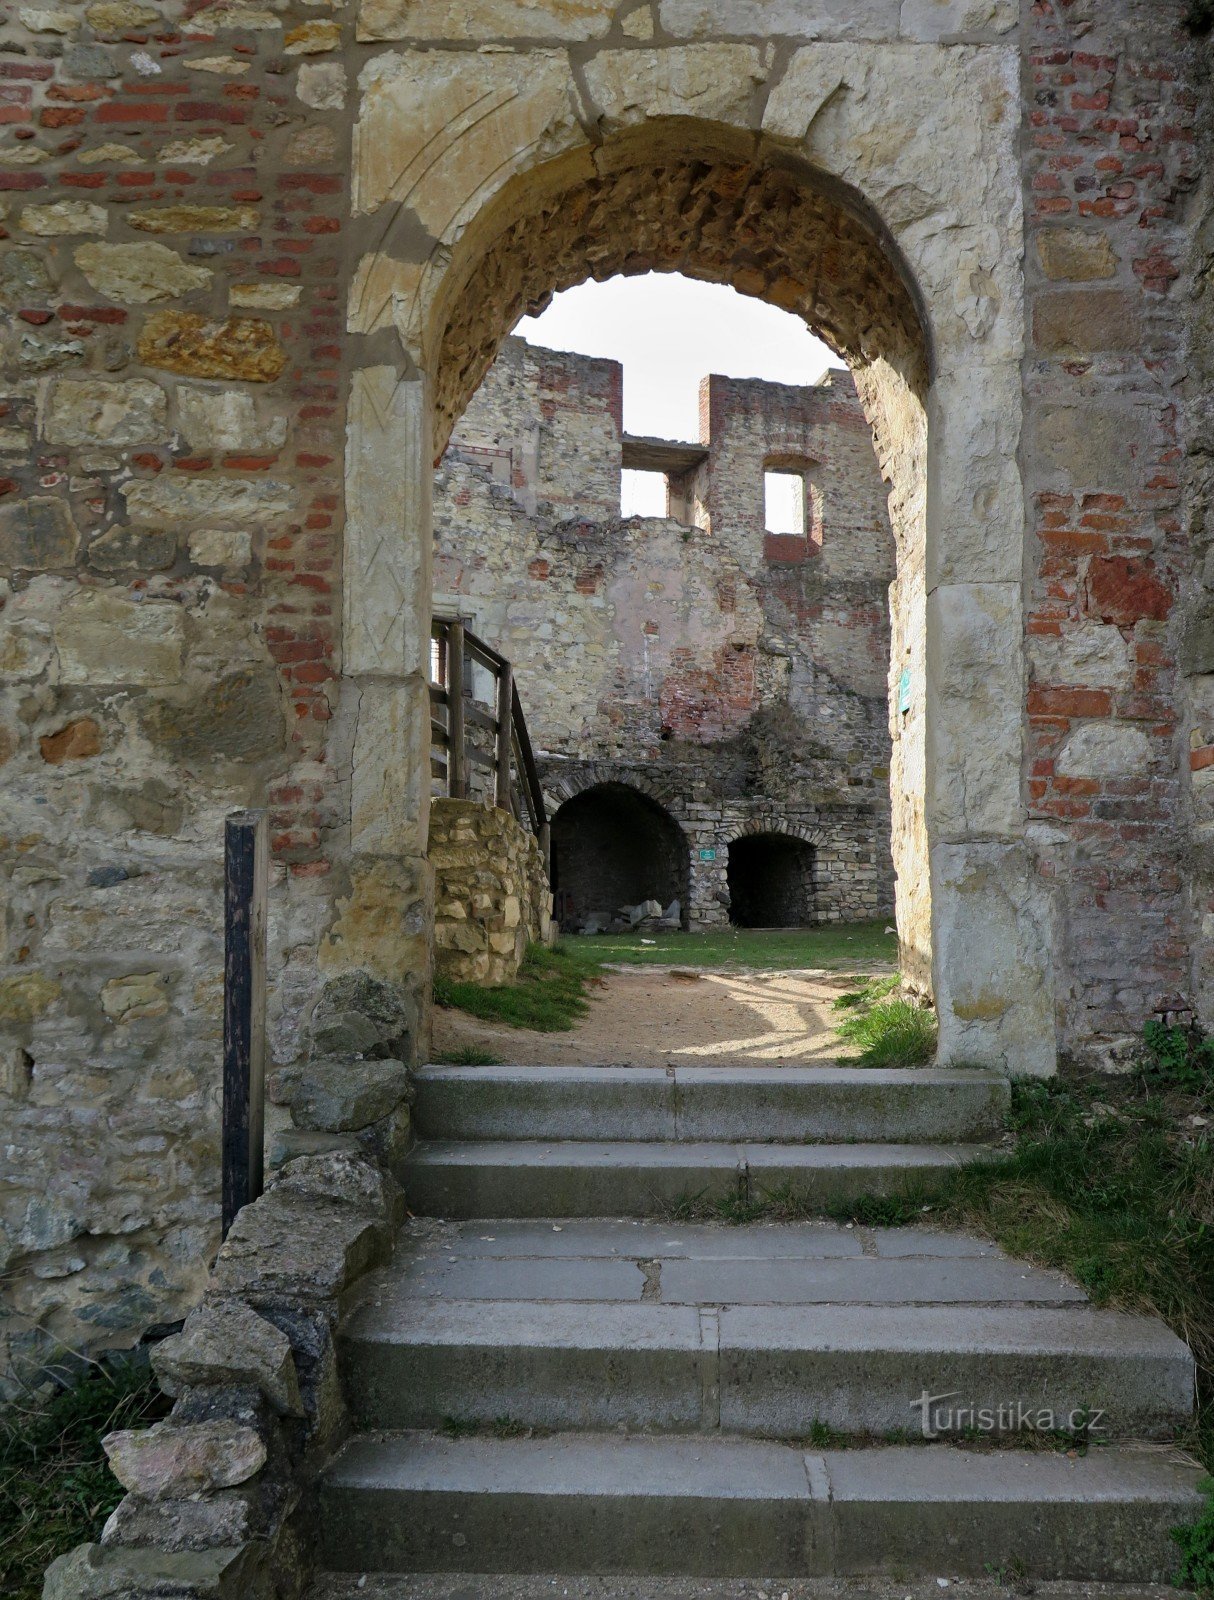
x=937, y=1417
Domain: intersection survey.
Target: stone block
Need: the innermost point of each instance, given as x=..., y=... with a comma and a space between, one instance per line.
x=227, y=419
x=25, y=996
x=64, y=218
x=340, y=1096
x=105, y=638
x=137, y=549
x=798, y=19
x=359, y=1014
x=349, y=1179
x=97, y=1572
x=220, y=1520
x=1105, y=750
x=479, y=20
x=713, y=81
x=180, y=498
x=75, y=741
x=1075, y=255
x=195, y=219
x=38, y=534
x=228, y=548
x=930, y=20
x=90, y=411
x=238, y=716
x=170, y=1460
x=139, y=274
x=440, y=132
x=287, y=1249
x=226, y=1344
x=246, y=348
x=1080, y=321
x=322, y=85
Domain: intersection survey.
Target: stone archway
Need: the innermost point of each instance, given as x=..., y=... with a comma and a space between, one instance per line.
x=495, y=179
x=614, y=845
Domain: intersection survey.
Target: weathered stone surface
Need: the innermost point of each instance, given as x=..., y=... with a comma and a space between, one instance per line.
x=37, y=353
x=312, y=146
x=484, y=19
x=350, y=1179
x=38, y=534
x=264, y=296
x=89, y=411
x=418, y=142
x=64, y=217
x=139, y=274
x=226, y=1344
x=138, y=995
x=1127, y=589
x=26, y=646
x=90, y=61
x=179, y=499
x=136, y=549
x=195, y=219
x=240, y=347
x=227, y=419
x=169, y=1459
x=220, y=547
x=336, y=1096
x=105, y=638
x=41, y=19
x=225, y=66
x=491, y=894
x=358, y=1014
x=27, y=995
x=113, y=16
x=1104, y=750
x=1093, y=656
x=75, y=741
x=297, y=1249
x=714, y=81
x=237, y=717
x=25, y=278
x=799, y=19
x=199, y=151
x=1075, y=321
x=98, y=1572
x=1075, y=255
x=311, y=38
x=235, y=14
x=118, y=154
x=942, y=19
x=220, y=1520
x=1084, y=445
x=322, y=85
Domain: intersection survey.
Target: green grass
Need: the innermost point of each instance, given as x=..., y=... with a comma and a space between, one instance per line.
x=893, y=1033
x=854, y=945
x=549, y=995
x=55, y=1487
x=470, y=1056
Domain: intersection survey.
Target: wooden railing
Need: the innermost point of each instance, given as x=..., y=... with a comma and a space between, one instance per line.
x=479, y=745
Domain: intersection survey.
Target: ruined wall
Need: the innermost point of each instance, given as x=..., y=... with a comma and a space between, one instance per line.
x=991, y=210
x=733, y=674
x=491, y=895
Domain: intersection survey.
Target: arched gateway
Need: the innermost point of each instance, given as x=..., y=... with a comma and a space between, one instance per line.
x=491, y=180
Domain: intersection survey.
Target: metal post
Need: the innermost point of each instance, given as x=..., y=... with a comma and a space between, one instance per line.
x=244, y=1009
x=505, y=730
x=457, y=769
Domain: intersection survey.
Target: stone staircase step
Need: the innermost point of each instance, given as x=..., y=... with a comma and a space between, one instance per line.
x=565, y=1178
x=724, y=1506
x=719, y=1103
x=583, y=1586
x=772, y=1370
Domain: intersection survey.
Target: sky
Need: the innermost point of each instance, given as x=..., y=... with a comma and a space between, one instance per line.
x=670, y=332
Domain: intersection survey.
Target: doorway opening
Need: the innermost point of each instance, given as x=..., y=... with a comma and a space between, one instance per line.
x=615, y=850
x=771, y=881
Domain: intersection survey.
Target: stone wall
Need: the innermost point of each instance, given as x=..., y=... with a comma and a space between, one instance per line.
x=256, y=260
x=735, y=676
x=491, y=894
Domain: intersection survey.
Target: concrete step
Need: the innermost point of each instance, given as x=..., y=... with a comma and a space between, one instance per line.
x=579, y=1586
x=720, y=1103
x=770, y=1370
x=724, y=1506
x=580, y=1178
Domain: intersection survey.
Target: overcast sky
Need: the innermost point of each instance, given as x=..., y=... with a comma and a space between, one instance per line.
x=669, y=332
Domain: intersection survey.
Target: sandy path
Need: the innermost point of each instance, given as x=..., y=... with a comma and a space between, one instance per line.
x=672, y=1016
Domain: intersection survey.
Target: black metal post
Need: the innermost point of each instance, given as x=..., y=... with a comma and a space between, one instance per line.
x=244, y=1009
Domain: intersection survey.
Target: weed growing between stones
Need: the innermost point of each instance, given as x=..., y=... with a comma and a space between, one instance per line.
x=549, y=995
x=55, y=1487
x=891, y=1031
x=1197, y=1547
x=469, y=1056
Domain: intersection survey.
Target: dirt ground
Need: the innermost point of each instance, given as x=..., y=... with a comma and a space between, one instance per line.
x=668, y=1016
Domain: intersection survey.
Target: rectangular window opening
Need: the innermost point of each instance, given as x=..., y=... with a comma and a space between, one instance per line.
x=784, y=503
x=643, y=494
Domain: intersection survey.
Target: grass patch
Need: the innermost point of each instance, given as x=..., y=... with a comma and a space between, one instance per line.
x=469, y=1056
x=891, y=1031
x=856, y=945
x=549, y=994
x=56, y=1489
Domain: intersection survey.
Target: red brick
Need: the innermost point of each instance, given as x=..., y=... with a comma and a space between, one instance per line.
x=1127, y=589
x=129, y=112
